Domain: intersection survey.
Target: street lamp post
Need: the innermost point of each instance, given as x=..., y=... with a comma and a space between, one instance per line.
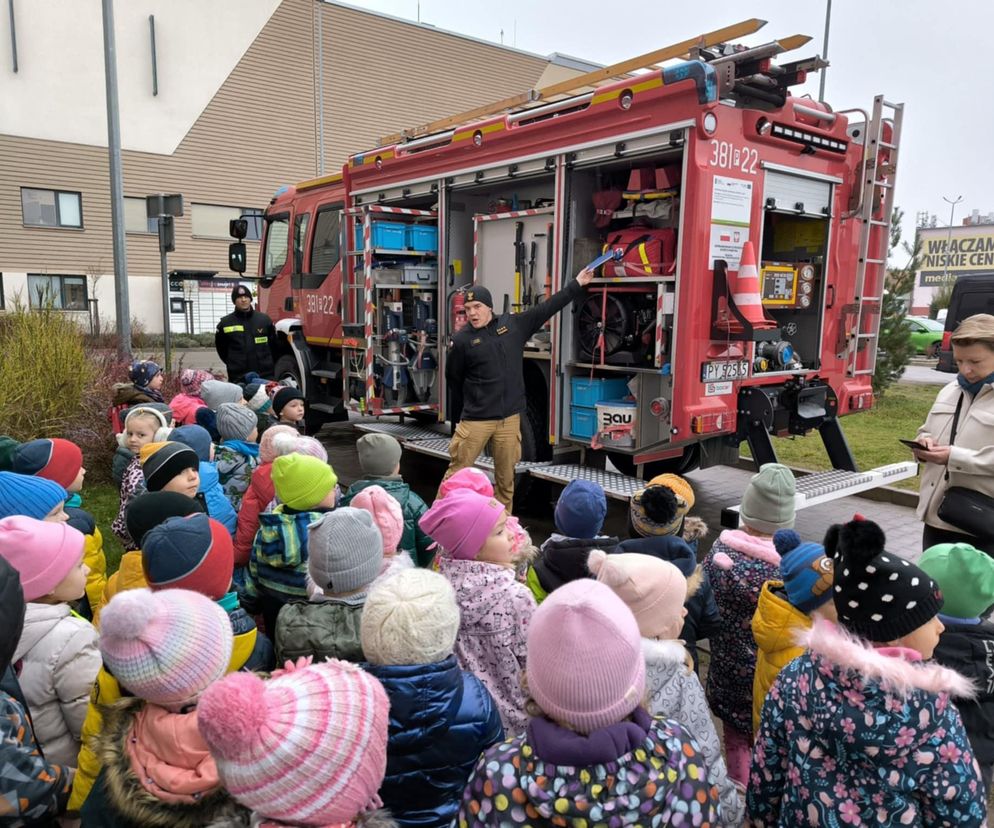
x=949, y=236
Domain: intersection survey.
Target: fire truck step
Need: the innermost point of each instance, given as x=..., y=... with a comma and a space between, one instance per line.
x=402, y=431
x=618, y=486
x=439, y=448
x=823, y=487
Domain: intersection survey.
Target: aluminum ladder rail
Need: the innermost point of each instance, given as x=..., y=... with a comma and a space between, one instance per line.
x=878, y=189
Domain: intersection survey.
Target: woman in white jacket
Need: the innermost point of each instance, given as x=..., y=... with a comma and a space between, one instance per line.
x=967, y=460
x=655, y=591
x=57, y=649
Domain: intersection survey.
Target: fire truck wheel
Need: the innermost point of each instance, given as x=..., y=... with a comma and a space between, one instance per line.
x=688, y=461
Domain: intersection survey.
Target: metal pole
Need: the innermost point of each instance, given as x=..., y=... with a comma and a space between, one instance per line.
x=824, y=49
x=167, y=343
x=13, y=36
x=121, y=304
x=949, y=235
x=320, y=101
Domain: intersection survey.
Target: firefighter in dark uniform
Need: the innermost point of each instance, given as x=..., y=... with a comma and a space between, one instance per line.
x=484, y=371
x=246, y=339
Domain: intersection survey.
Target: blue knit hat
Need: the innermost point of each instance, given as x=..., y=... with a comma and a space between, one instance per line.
x=143, y=372
x=807, y=576
x=23, y=494
x=196, y=437
x=581, y=509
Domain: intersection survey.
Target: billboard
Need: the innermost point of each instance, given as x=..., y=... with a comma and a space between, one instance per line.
x=965, y=250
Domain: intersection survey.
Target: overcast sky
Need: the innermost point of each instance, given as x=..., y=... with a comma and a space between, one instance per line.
x=930, y=56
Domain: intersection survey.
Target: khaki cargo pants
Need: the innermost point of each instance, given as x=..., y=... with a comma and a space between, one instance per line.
x=504, y=436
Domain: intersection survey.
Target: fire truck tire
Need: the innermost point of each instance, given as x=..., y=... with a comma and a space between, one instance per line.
x=688, y=461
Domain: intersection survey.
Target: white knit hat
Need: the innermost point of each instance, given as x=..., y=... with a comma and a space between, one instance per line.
x=410, y=618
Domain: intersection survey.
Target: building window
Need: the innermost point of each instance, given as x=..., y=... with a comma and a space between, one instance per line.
x=51, y=208
x=211, y=221
x=59, y=292
x=135, y=219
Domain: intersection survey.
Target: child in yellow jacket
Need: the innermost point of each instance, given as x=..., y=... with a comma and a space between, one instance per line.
x=787, y=606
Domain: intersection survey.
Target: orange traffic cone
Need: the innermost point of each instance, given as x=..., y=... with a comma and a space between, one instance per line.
x=744, y=289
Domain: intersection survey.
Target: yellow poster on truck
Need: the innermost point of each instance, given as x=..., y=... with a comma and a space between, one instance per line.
x=945, y=253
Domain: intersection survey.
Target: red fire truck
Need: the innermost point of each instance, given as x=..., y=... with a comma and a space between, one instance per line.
x=749, y=230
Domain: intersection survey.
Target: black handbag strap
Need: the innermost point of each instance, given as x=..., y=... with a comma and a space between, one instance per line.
x=952, y=435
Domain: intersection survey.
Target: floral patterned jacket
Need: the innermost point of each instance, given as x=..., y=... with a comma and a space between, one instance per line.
x=738, y=565
x=495, y=611
x=132, y=485
x=856, y=735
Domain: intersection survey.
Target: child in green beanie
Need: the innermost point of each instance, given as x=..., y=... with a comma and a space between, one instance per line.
x=966, y=577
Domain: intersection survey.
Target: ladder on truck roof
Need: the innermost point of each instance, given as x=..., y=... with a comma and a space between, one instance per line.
x=608, y=74
x=875, y=210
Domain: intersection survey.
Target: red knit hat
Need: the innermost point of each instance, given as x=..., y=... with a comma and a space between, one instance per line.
x=193, y=552
x=56, y=459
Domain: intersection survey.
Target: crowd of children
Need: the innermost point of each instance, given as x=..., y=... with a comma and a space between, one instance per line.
x=273, y=651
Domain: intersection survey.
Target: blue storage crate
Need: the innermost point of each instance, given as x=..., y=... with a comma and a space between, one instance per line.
x=388, y=235
x=582, y=421
x=422, y=237
x=588, y=392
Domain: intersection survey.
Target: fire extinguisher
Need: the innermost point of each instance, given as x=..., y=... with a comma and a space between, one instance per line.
x=457, y=301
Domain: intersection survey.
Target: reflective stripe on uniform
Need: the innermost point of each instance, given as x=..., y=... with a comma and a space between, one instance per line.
x=233, y=328
x=261, y=340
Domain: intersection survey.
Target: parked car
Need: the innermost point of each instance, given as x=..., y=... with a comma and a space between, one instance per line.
x=971, y=294
x=925, y=334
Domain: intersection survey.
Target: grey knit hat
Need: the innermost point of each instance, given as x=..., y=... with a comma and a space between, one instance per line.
x=768, y=501
x=345, y=550
x=216, y=392
x=235, y=422
x=379, y=454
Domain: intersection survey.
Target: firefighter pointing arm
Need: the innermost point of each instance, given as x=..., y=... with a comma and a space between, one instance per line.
x=484, y=369
x=246, y=339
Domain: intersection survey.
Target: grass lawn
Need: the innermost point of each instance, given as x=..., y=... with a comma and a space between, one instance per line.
x=872, y=435
x=102, y=501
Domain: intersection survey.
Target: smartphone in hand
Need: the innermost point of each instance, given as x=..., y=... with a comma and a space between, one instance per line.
x=913, y=445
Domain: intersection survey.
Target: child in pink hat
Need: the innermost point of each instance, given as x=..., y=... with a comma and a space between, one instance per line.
x=389, y=517
x=478, y=558
x=591, y=754
x=655, y=591
x=57, y=649
x=306, y=747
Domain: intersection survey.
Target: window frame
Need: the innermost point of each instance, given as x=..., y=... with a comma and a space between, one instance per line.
x=284, y=218
x=152, y=223
x=335, y=208
x=58, y=222
x=62, y=291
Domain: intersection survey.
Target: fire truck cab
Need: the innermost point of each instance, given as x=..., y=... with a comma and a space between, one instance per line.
x=748, y=230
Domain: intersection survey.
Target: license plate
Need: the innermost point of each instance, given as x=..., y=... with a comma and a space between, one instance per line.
x=724, y=370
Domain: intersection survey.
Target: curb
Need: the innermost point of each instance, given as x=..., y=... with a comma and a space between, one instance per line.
x=882, y=494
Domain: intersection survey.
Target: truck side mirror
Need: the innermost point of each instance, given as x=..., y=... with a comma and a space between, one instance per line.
x=237, y=257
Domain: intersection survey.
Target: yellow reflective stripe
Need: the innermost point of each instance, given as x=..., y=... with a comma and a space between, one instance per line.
x=645, y=259
x=233, y=328
x=261, y=340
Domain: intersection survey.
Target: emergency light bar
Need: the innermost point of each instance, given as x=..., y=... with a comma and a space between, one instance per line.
x=800, y=136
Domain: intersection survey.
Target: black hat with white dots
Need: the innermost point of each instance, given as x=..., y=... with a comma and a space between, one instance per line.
x=878, y=595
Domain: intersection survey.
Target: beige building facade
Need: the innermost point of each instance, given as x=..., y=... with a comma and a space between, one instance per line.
x=224, y=108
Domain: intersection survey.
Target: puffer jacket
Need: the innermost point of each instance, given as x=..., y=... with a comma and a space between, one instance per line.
x=184, y=408
x=673, y=691
x=32, y=789
x=495, y=610
x=738, y=566
x=218, y=506
x=59, y=662
x=969, y=650
x=157, y=773
x=125, y=393
x=93, y=556
x=441, y=720
x=258, y=496
x=703, y=618
x=774, y=629
x=278, y=562
x=129, y=575
x=857, y=735
x=235, y=461
x=413, y=541
x=122, y=456
x=132, y=485
x=325, y=629
x=971, y=460
x=561, y=560
x=641, y=771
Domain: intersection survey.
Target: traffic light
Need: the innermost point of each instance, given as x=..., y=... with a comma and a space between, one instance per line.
x=238, y=229
x=236, y=257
